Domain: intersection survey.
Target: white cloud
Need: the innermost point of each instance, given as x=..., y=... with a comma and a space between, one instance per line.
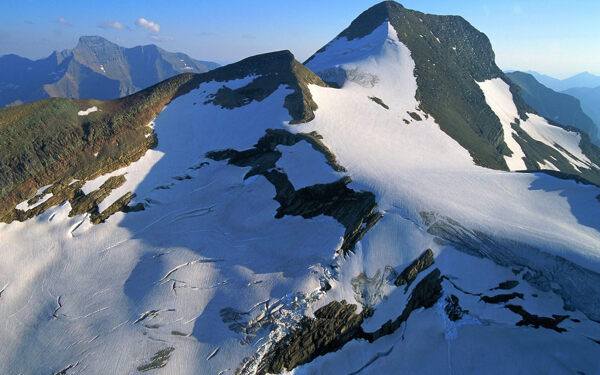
x=148, y=25
x=111, y=25
x=64, y=21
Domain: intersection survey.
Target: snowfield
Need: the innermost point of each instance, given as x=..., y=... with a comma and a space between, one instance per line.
x=206, y=279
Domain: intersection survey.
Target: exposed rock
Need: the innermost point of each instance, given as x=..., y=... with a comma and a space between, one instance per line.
x=453, y=309
x=379, y=101
x=538, y=321
x=159, y=360
x=507, y=285
x=415, y=116
x=337, y=323
x=409, y=274
x=354, y=210
x=501, y=298
x=273, y=70
x=333, y=326
x=88, y=203
x=425, y=294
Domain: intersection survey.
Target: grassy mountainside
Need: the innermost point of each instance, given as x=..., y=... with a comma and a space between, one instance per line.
x=48, y=143
x=561, y=108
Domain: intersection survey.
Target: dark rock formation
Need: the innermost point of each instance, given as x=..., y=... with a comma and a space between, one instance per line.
x=501, y=298
x=337, y=323
x=507, y=285
x=453, y=309
x=538, y=321
x=354, y=210
x=409, y=274
x=158, y=360
x=333, y=326
x=379, y=101
x=425, y=294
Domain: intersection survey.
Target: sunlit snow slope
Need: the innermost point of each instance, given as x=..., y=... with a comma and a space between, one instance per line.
x=214, y=275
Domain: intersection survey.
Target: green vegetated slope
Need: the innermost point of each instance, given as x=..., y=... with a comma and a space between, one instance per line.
x=46, y=142
x=559, y=107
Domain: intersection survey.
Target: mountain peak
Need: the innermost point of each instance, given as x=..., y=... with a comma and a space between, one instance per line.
x=449, y=56
x=368, y=20
x=272, y=70
x=93, y=40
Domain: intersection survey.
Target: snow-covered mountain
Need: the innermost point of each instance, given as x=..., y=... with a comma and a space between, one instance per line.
x=361, y=213
x=95, y=68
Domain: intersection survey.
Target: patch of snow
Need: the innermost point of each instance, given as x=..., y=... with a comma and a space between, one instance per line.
x=504, y=107
x=24, y=206
x=540, y=130
x=547, y=165
x=499, y=98
x=304, y=166
x=87, y=111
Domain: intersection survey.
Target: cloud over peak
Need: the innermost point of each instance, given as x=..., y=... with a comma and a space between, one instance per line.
x=64, y=21
x=148, y=25
x=111, y=25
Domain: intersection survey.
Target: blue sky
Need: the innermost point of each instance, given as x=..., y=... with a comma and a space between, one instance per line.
x=555, y=37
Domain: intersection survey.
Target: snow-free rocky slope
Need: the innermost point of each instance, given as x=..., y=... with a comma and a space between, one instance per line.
x=326, y=218
x=95, y=68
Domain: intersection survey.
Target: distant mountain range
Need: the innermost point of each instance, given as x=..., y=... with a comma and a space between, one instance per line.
x=559, y=107
x=95, y=68
x=590, y=100
x=584, y=79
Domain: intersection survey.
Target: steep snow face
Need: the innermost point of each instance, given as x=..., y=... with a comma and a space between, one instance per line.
x=414, y=167
x=504, y=107
x=365, y=64
x=499, y=98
